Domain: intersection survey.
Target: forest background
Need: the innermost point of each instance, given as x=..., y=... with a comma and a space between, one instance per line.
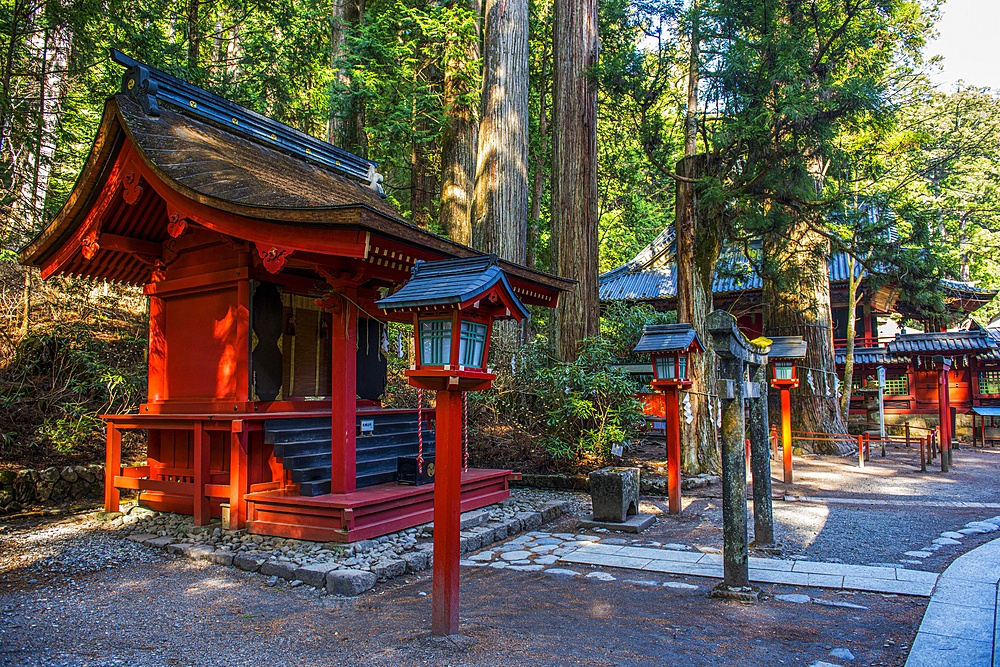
x=402, y=83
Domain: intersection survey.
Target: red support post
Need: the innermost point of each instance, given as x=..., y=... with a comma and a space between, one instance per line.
x=112, y=467
x=786, y=433
x=447, y=512
x=748, y=455
x=237, y=475
x=673, y=433
x=774, y=439
x=907, y=428
x=202, y=460
x=344, y=406
x=943, y=365
x=861, y=451
x=923, y=456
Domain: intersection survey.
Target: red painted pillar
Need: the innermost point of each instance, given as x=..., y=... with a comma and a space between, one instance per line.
x=944, y=409
x=157, y=389
x=447, y=511
x=237, y=475
x=202, y=460
x=673, y=432
x=112, y=467
x=344, y=406
x=786, y=433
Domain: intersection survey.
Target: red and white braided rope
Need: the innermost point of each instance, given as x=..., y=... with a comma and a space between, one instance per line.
x=465, y=431
x=420, y=432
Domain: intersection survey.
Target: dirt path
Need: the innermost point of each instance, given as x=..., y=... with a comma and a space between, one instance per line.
x=84, y=597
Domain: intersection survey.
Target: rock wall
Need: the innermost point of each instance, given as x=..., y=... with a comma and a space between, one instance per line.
x=49, y=486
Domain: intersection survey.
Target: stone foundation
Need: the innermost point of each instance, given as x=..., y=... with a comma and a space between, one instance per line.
x=49, y=486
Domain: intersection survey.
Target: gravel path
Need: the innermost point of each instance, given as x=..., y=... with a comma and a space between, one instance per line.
x=75, y=592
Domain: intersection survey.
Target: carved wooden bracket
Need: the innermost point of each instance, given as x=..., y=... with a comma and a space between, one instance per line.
x=332, y=302
x=274, y=258
x=159, y=272
x=177, y=224
x=130, y=185
x=169, y=250
x=89, y=245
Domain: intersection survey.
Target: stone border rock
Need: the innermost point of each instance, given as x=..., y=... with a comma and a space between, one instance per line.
x=656, y=486
x=335, y=576
x=48, y=485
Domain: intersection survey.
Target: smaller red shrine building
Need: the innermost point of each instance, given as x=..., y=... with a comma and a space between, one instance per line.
x=262, y=251
x=912, y=379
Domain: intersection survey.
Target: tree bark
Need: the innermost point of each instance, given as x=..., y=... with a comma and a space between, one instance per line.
x=194, y=36
x=574, y=171
x=458, y=147
x=847, y=388
x=500, y=204
x=538, y=175
x=698, y=244
x=353, y=135
x=341, y=82
x=796, y=302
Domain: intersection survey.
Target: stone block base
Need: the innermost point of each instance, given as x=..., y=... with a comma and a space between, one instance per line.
x=634, y=524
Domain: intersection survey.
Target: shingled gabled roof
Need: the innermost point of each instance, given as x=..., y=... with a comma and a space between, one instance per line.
x=177, y=152
x=452, y=282
x=652, y=276
x=787, y=347
x=942, y=342
x=667, y=338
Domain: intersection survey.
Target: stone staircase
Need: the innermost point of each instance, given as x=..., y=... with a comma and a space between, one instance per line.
x=303, y=445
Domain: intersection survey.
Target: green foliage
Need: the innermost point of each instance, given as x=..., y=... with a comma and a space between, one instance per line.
x=575, y=410
x=63, y=375
x=621, y=327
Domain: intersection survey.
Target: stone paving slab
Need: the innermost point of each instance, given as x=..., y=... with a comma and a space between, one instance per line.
x=938, y=651
x=762, y=570
x=960, y=626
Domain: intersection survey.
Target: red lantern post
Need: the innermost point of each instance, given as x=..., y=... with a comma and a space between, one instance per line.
x=669, y=346
x=784, y=351
x=453, y=304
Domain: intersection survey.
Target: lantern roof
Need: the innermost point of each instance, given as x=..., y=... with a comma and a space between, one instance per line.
x=458, y=283
x=787, y=347
x=668, y=338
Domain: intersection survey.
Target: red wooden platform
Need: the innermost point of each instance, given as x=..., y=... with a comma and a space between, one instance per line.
x=366, y=513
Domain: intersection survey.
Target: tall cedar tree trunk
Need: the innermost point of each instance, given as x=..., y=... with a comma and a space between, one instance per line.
x=500, y=206
x=194, y=36
x=698, y=245
x=847, y=387
x=574, y=171
x=458, y=148
x=538, y=177
x=352, y=130
x=338, y=39
x=797, y=303
x=423, y=177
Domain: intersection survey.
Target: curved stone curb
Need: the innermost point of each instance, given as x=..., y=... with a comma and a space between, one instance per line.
x=335, y=578
x=959, y=628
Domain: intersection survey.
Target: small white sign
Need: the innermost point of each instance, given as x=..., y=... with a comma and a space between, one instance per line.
x=617, y=449
x=367, y=425
x=881, y=376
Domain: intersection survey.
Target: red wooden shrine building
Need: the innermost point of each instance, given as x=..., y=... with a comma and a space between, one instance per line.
x=262, y=251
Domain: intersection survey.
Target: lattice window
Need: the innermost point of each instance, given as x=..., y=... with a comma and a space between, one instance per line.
x=435, y=342
x=472, y=340
x=897, y=385
x=989, y=382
